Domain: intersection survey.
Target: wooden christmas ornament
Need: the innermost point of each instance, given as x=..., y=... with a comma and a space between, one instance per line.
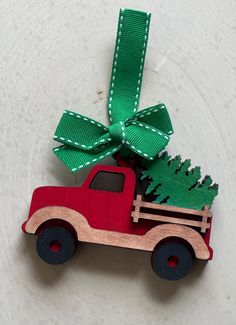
x=97, y=214
x=170, y=218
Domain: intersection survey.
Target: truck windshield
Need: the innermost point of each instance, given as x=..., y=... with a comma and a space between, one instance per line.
x=107, y=181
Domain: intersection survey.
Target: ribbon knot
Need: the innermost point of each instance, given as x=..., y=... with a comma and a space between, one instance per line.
x=117, y=132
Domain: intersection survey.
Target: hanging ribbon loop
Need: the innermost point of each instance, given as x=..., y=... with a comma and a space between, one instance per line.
x=146, y=133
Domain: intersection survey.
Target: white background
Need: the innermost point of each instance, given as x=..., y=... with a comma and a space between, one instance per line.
x=57, y=55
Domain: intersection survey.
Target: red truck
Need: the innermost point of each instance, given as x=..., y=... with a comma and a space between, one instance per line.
x=106, y=210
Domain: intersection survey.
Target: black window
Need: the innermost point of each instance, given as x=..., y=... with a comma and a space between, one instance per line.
x=107, y=181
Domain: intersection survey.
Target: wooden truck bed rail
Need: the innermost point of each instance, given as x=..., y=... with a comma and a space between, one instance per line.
x=203, y=224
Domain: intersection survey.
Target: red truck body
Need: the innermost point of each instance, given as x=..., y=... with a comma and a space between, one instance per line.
x=104, y=210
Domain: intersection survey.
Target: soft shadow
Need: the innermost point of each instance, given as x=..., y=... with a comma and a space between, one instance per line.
x=115, y=262
x=65, y=177
x=127, y=263
x=164, y=290
x=42, y=272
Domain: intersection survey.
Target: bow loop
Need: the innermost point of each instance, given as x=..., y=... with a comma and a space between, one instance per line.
x=156, y=116
x=90, y=141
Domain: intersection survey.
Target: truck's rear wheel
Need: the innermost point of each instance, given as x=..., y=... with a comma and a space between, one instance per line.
x=171, y=261
x=55, y=245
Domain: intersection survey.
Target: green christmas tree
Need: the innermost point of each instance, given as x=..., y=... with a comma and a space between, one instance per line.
x=173, y=182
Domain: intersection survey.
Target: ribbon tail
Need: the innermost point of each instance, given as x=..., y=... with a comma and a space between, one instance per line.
x=76, y=159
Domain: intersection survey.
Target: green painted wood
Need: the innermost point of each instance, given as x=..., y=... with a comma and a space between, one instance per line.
x=175, y=183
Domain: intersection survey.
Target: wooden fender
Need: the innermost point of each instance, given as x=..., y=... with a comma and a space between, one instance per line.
x=147, y=242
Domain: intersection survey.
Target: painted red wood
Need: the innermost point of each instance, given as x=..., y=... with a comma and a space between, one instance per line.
x=103, y=209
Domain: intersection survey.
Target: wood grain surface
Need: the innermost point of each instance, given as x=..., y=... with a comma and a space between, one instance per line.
x=182, y=213
x=57, y=55
x=146, y=242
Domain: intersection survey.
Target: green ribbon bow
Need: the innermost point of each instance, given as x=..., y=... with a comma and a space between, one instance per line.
x=146, y=133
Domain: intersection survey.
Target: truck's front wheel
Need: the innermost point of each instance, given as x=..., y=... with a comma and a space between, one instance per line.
x=55, y=245
x=171, y=260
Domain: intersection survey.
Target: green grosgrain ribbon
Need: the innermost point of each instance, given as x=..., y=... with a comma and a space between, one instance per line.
x=146, y=133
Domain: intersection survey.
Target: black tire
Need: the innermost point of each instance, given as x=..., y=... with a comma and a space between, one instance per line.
x=172, y=261
x=55, y=245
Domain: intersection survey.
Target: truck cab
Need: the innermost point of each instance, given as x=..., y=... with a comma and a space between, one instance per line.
x=104, y=199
